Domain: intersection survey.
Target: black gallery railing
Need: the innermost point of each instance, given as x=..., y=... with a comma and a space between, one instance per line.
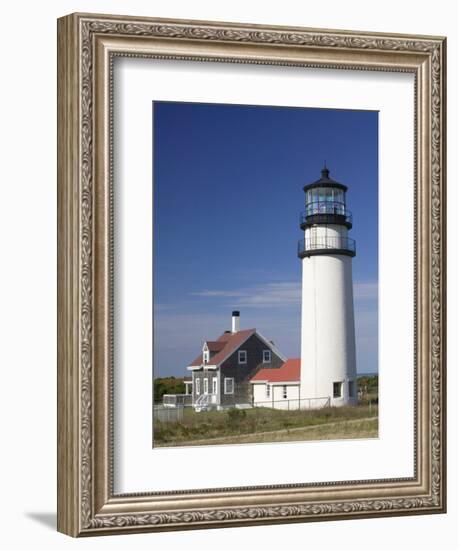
x=318, y=243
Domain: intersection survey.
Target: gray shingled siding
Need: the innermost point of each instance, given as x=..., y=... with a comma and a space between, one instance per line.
x=242, y=373
x=201, y=374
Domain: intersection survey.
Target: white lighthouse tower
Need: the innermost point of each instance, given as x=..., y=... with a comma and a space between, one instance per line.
x=328, y=359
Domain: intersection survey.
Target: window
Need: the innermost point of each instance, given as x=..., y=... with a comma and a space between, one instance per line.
x=285, y=392
x=242, y=357
x=228, y=385
x=205, y=385
x=339, y=196
x=197, y=386
x=321, y=194
x=266, y=356
x=206, y=356
x=215, y=385
x=351, y=388
x=337, y=389
x=267, y=390
x=313, y=237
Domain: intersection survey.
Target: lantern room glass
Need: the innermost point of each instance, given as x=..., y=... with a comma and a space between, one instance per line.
x=325, y=200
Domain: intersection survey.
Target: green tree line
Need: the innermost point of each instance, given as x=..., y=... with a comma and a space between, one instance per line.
x=368, y=383
x=169, y=384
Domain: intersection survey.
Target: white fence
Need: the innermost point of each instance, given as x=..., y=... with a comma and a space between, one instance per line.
x=167, y=414
x=295, y=404
x=177, y=400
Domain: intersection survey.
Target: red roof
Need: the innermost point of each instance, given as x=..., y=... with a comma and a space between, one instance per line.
x=215, y=345
x=290, y=371
x=228, y=342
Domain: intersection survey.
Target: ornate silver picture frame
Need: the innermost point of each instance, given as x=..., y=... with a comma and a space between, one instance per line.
x=88, y=44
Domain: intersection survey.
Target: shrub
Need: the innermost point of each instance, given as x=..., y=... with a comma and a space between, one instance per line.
x=235, y=417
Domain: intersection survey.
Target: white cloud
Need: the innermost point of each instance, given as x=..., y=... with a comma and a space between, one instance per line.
x=267, y=295
x=283, y=294
x=218, y=293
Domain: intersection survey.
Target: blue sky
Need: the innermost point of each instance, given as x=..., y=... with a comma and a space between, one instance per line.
x=227, y=195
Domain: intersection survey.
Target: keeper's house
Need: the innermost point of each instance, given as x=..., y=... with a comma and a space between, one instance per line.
x=222, y=372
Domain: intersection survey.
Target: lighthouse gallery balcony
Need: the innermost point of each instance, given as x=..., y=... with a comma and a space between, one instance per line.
x=325, y=212
x=314, y=246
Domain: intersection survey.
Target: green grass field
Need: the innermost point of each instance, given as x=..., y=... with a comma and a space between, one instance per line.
x=263, y=425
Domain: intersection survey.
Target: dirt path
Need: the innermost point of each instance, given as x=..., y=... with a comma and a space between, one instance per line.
x=345, y=429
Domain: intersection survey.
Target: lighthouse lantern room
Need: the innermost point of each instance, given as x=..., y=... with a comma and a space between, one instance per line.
x=328, y=357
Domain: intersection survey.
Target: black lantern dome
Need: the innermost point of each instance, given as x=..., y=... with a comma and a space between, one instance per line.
x=325, y=181
x=325, y=205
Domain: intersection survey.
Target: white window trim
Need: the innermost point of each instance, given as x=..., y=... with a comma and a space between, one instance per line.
x=244, y=352
x=264, y=352
x=271, y=346
x=215, y=385
x=340, y=388
x=225, y=386
x=197, y=386
x=205, y=386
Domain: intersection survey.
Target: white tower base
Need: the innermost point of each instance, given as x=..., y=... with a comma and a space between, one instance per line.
x=328, y=359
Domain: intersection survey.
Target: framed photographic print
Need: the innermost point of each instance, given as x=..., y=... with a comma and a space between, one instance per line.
x=223, y=166
x=251, y=274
